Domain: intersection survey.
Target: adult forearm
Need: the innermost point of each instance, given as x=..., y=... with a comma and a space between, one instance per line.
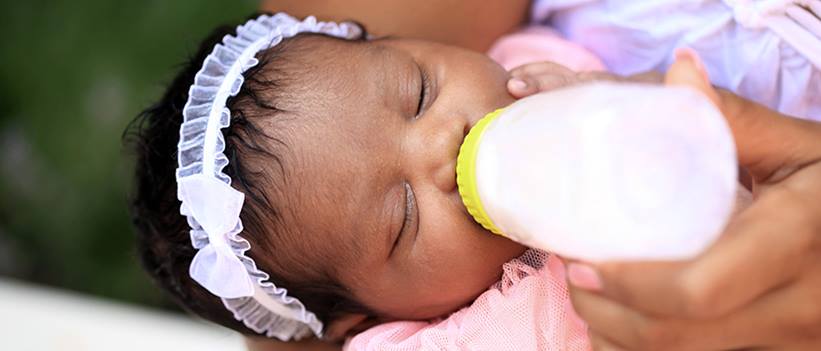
x=260, y=344
x=466, y=23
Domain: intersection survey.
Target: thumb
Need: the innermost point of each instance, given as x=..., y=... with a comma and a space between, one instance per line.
x=770, y=145
x=688, y=71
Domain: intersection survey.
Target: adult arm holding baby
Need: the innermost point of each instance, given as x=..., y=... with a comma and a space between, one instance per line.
x=468, y=24
x=759, y=285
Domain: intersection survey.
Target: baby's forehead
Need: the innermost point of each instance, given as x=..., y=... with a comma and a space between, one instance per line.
x=336, y=88
x=319, y=69
x=328, y=80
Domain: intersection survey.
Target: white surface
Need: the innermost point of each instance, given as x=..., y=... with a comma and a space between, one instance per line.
x=38, y=318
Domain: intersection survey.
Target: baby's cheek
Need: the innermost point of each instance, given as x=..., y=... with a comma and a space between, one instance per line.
x=461, y=266
x=452, y=255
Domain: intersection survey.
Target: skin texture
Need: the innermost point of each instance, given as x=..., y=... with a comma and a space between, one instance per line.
x=358, y=150
x=469, y=24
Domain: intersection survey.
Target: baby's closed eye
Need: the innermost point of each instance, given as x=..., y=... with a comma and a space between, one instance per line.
x=410, y=222
x=424, y=90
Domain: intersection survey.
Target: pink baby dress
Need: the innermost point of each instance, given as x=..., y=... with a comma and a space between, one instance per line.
x=529, y=309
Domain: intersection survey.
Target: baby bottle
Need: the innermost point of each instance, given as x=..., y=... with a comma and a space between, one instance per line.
x=603, y=172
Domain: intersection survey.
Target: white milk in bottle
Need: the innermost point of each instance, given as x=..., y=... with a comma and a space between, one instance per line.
x=604, y=171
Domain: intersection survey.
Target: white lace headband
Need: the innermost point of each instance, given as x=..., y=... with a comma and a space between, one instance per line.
x=211, y=205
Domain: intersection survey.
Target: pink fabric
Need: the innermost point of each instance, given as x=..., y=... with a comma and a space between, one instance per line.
x=529, y=309
x=535, y=44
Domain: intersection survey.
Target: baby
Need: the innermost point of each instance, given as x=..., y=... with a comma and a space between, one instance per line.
x=345, y=150
x=340, y=153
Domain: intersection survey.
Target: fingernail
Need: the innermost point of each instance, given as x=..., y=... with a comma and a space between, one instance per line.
x=583, y=276
x=688, y=54
x=684, y=54
x=518, y=84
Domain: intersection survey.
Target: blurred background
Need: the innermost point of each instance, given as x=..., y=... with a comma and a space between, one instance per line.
x=72, y=76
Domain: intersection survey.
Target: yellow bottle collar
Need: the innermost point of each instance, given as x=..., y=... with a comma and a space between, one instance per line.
x=466, y=172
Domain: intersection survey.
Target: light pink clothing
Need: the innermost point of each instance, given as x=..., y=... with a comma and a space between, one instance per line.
x=529, y=309
x=536, y=44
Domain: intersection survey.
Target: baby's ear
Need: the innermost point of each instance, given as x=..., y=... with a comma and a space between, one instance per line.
x=688, y=70
x=348, y=325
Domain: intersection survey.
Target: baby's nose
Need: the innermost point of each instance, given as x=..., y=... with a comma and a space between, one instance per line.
x=437, y=150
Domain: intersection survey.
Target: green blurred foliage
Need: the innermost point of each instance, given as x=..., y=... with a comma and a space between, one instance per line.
x=72, y=75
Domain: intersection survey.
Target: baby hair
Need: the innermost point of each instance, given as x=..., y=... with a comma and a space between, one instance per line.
x=163, y=239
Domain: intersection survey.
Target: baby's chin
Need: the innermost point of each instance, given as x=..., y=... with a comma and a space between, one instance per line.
x=498, y=247
x=500, y=251
x=439, y=308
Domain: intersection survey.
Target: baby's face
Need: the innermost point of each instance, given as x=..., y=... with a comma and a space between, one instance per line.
x=372, y=194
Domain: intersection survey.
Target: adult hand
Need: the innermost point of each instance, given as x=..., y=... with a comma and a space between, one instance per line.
x=758, y=286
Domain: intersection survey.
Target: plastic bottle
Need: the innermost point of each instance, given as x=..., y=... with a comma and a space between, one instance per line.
x=603, y=172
